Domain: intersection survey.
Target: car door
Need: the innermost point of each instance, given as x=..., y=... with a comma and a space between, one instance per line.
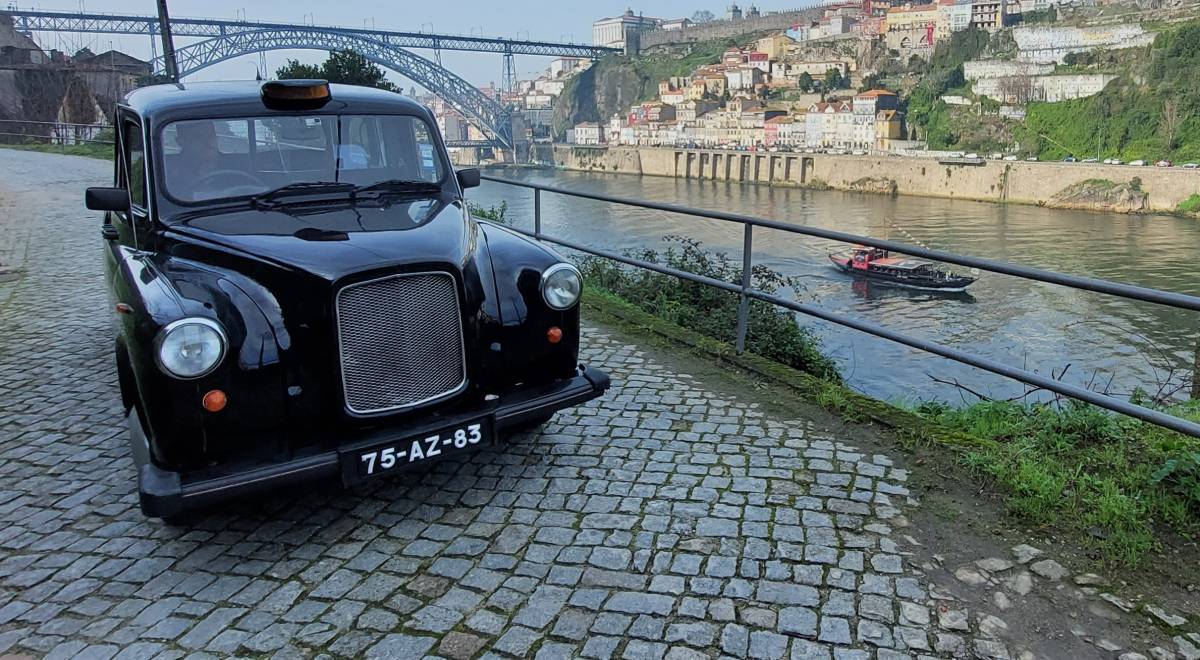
x=124, y=230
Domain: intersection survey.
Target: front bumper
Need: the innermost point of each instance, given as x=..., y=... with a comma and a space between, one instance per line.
x=164, y=493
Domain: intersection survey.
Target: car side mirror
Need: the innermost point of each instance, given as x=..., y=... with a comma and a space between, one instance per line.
x=106, y=199
x=468, y=178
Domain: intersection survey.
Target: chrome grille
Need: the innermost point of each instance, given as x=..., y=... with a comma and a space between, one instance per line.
x=400, y=342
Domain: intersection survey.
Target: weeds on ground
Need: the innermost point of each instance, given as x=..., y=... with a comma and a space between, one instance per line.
x=773, y=332
x=1116, y=481
x=91, y=150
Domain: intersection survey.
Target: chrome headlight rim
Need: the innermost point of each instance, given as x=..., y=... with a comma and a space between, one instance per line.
x=554, y=270
x=167, y=329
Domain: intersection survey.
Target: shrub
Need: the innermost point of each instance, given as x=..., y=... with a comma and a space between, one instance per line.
x=494, y=214
x=1190, y=205
x=772, y=332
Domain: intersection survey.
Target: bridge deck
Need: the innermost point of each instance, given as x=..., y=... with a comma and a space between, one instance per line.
x=106, y=23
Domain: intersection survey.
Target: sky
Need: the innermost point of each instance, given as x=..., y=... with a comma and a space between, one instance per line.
x=548, y=20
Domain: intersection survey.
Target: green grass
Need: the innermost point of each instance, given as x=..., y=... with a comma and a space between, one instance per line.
x=101, y=151
x=1117, y=483
x=1190, y=205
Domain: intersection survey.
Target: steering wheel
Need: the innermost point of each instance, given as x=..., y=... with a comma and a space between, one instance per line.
x=211, y=180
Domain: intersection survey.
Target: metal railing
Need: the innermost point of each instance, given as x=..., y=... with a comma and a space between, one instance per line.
x=746, y=292
x=54, y=132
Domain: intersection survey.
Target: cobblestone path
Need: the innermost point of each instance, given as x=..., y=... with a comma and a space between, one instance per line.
x=659, y=521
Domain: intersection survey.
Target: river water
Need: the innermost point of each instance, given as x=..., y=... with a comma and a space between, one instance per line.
x=1109, y=343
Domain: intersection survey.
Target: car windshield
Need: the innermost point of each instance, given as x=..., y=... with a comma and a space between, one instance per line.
x=212, y=159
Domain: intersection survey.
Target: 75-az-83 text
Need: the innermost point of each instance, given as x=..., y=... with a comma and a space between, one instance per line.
x=420, y=449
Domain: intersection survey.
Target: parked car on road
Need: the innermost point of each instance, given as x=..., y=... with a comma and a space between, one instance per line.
x=301, y=293
x=1091, y=160
x=1070, y=159
x=1163, y=163
x=1032, y=159
x=972, y=155
x=1190, y=166
x=1137, y=163
x=1011, y=158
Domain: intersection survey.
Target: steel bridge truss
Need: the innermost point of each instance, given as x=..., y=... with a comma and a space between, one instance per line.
x=58, y=21
x=479, y=109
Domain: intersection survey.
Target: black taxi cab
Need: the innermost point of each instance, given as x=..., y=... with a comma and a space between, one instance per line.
x=300, y=292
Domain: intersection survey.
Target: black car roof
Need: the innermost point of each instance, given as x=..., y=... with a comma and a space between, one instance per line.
x=162, y=103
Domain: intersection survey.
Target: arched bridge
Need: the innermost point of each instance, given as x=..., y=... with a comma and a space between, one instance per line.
x=481, y=110
x=225, y=39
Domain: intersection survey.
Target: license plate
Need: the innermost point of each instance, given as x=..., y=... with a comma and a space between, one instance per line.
x=395, y=456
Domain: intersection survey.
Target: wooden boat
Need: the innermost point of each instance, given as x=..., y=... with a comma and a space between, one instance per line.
x=879, y=265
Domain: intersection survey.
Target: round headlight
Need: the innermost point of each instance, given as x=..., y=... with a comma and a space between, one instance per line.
x=190, y=348
x=561, y=286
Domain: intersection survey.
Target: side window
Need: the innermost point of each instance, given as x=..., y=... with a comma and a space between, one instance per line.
x=135, y=163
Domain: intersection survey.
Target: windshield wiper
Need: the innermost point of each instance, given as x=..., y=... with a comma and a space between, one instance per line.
x=301, y=188
x=399, y=185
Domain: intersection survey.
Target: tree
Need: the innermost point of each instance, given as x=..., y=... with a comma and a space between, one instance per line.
x=1169, y=122
x=871, y=81
x=295, y=70
x=805, y=82
x=343, y=66
x=703, y=16
x=833, y=80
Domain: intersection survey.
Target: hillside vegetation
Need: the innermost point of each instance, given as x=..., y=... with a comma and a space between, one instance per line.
x=616, y=82
x=1151, y=111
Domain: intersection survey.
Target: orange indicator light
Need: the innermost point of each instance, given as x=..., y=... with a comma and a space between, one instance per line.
x=554, y=335
x=214, y=401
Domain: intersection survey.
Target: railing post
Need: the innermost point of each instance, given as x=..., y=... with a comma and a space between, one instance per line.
x=537, y=214
x=747, y=270
x=1196, y=372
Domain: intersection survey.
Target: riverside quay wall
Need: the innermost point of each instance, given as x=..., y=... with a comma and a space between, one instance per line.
x=1153, y=189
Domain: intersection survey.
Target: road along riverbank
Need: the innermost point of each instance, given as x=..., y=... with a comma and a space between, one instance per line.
x=1085, y=186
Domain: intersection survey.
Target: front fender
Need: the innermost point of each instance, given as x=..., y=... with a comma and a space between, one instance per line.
x=518, y=264
x=163, y=289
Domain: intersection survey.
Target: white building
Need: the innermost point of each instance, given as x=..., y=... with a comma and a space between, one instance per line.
x=551, y=87
x=565, y=65
x=743, y=78
x=538, y=101
x=587, y=133
x=611, y=32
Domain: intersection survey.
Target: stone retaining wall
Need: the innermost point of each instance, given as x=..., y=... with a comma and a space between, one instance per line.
x=994, y=181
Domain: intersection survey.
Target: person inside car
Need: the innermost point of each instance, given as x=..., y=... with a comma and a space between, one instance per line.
x=198, y=158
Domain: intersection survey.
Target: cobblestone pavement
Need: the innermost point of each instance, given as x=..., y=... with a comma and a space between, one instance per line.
x=661, y=520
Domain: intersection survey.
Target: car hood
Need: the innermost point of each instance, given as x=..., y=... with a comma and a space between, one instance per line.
x=334, y=239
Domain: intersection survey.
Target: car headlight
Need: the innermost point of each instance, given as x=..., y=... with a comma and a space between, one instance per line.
x=190, y=348
x=561, y=286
